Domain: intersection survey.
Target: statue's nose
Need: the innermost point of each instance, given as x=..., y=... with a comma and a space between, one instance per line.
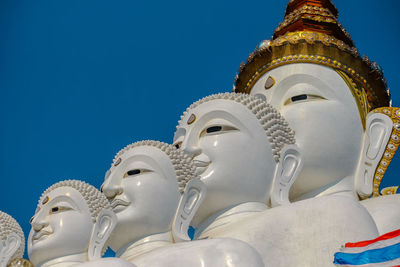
x=110, y=189
x=191, y=149
x=38, y=225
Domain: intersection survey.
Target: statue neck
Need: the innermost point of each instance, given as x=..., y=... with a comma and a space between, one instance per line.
x=144, y=245
x=343, y=187
x=67, y=261
x=227, y=216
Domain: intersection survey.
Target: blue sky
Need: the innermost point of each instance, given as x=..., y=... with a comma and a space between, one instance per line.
x=79, y=80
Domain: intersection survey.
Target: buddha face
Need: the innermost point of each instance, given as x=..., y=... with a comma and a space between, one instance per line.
x=61, y=226
x=320, y=108
x=231, y=152
x=144, y=194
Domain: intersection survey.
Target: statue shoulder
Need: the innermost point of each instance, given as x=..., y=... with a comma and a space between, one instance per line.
x=106, y=262
x=210, y=252
x=325, y=222
x=385, y=212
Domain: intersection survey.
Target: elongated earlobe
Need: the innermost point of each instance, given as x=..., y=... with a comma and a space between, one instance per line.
x=377, y=134
x=193, y=196
x=8, y=248
x=289, y=167
x=105, y=224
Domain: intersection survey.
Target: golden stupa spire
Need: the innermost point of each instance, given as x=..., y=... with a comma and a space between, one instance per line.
x=294, y=4
x=311, y=33
x=315, y=16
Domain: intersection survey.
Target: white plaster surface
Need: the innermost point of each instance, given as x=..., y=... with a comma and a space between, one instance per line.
x=385, y=211
x=305, y=233
x=107, y=262
x=215, y=252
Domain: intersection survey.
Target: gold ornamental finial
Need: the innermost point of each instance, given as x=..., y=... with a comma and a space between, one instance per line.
x=314, y=16
x=311, y=33
x=296, y=4
x=20, y=263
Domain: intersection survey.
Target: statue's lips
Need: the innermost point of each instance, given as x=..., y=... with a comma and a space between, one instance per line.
x=118, y=205
x=201, y=166
x=40, y=235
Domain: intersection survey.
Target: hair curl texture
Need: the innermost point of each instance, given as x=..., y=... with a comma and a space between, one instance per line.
x=9, y=225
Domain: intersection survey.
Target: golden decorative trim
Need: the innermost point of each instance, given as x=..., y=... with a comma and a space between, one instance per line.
x=317, y=48
x=20, y=263
x=389, y=190
x=391, y=147
x=321, y=60
x=359, y=95
x=312, y=38
x=308, y=12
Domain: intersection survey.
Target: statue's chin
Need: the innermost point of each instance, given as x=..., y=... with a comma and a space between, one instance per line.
x=120, y=237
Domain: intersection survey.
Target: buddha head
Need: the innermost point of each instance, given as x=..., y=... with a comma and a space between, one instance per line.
x=314, y=76
x=144, y=185
x=242, y=149
x=12, y=241
x=73, y=221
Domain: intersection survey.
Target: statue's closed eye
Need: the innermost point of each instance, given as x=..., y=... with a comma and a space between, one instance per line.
x=58, y=209
x=135, y=172
x=216, y=129
x=303, y=97
x=298, y=98
x=55, y=209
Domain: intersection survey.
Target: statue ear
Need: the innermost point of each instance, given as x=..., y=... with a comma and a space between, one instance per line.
x=105, y=224
x=193, y=196
x=9, y=247
x=377, y=134
x=289, y=167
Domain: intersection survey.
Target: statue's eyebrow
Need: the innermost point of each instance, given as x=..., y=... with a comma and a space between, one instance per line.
x=307, y=84
x=69, y=200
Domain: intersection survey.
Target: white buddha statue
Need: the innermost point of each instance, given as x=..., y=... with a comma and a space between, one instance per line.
x=12, y=242
x=314, y=76
x=71, y=227
x=219, y=132
x=244, y=153
x=154, y=194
